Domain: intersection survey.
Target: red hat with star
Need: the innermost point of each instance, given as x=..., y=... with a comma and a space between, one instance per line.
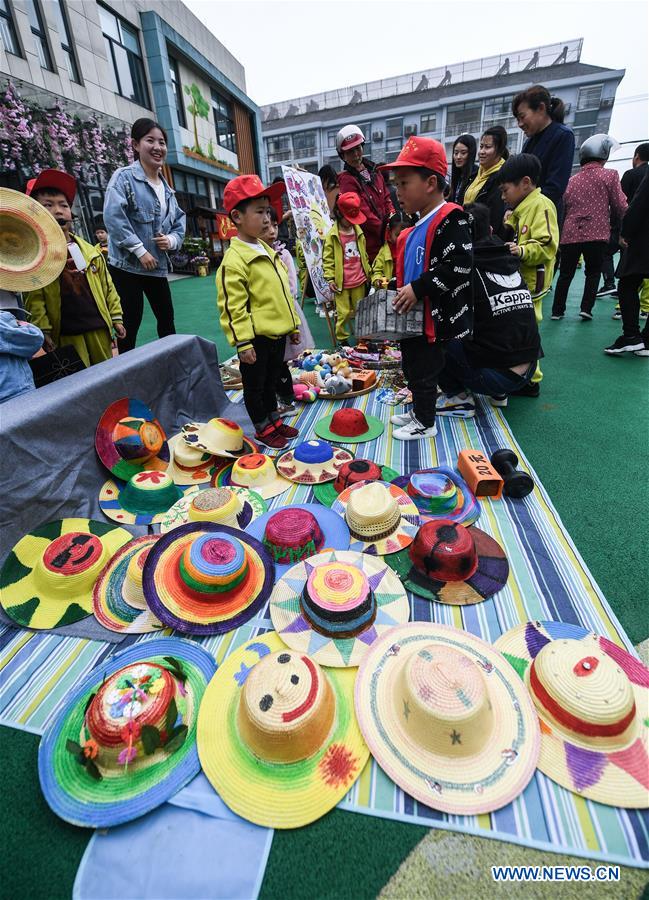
x=421, y=153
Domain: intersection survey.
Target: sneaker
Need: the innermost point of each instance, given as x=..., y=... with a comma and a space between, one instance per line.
x=500, y=401
x=271, y=437
x=531, y=389
x=401, y=419
x=607, y=290
x=625, y=345
x=462, y=407
x=617, y=314
x=556, y=316
x=644, y=315
x=286, y=407
x=414, y=431
x=287, y=431
x=585, y=316
x=645, y=349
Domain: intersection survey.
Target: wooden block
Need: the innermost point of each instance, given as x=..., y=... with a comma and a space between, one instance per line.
x=479, y=474
x=362, y=379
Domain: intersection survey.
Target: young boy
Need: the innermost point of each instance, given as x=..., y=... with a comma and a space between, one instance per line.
x=536, y=235
x=81, y=307
x=434, y=265
x=256, y=307
x=345, y=265
x=101, y=236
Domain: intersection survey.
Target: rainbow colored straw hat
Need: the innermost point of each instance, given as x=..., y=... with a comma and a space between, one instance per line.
x=48, y=578
x=221, y=437
x=312, y=462
x=130, y=439
x=204, y=578
x=381, y=517
x=232, y=506
x=125, y=740
x=189, y=465
x=440, y=493
x=277, y=735
x=447, y=718
x=118, y=598
x=255, y=471
x=143, y=500
x=333, y=606
x=351, y=473
x=592, y=700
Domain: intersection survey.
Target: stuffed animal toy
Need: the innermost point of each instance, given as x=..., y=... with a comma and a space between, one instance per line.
x=335, y=385
x=312, y=379
x=305, y=393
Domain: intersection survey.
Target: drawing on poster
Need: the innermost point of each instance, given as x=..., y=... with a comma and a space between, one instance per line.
x=312, y=222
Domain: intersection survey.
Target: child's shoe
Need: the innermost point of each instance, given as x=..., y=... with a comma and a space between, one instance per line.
x=400, y=419
x=270, y=436
x=461, y=406
x=500, y=400
x=414, y=431
x=285, y=407
x=625, y=345
x=287, y=431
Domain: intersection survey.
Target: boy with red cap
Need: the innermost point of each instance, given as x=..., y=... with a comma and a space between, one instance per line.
x=345, y=265
x=434, y=268
x=82, y=307
x=256, y=308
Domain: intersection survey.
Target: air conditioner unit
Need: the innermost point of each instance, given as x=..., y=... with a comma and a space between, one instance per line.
x=409, y=130
x=377, y=136
x=606, y=102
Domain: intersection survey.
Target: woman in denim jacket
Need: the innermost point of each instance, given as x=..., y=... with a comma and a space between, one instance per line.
x=144, y=222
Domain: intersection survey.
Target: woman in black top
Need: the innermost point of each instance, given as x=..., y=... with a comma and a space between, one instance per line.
x=463, y=166
x=484, y=187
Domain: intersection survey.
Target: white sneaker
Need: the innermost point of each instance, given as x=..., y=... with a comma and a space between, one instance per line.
x=498, y=401
x=401, y=418
x=414, y=431
x=462, y=407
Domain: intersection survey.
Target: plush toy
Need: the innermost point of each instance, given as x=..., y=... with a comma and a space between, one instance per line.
x=305, y=393
x=343, y=368
x=311, y=379
x=337, y=385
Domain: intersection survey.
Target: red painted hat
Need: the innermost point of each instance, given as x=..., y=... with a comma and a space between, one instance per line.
x=55, y=179
x=349, y=205
x=292, y=534
x=444, y=551
x=349, y=423
x=247, y=187
x=355, y=471
x=421, y=152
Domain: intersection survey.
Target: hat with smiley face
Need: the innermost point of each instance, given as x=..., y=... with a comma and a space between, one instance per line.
x=592, y=700
x=48, y=578
x=255, y=471
x=118, y=597
x=312, y=462
x=130, y=439
x=277, y=734
x=221, y=437
x=125, y=739
x=234, y=506
x=143, y=500
x=447, y=718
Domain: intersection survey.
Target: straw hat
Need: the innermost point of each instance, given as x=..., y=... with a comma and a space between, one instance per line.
x=33, y=250
x=143, y=500
x=125, y=739
x=118, y=598
x=440, y=493
x=592, y=700
x=189, y=465
x=130, y=439
x=312, y=462
x=351, y=473
x=333, y=606
x=447, y=718
x=255, y=471
x=48, y=577
x=232, y=506
x=452, y=564
x=297, y=532
x=381, y=517
x=349, y=426
x=277, y=735
x=204, y=578
x=222, y=437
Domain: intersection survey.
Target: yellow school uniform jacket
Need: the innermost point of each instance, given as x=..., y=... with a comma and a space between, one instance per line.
x=383, y=265
x=332, y=255
x=537, y=233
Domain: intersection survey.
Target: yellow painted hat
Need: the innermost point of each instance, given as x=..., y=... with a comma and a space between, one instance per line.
x=221, y=437
x=118, y=596
x=233, y=506
x=277, y=735
x=189, y=465
x=33, y=250
x=381, y=518
x=255, y=471
x=145, y=498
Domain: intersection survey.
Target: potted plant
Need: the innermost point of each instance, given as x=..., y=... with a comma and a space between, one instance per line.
x=202, y=265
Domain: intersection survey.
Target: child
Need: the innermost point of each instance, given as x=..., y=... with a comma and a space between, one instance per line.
x=434, y=266
x=19, y=341
x=81, y=307
x=536, y=235
x=346, y=266
x=384, y=265
x=101, y=236
x=256, y=307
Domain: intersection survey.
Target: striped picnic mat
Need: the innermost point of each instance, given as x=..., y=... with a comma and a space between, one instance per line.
x=548, y=580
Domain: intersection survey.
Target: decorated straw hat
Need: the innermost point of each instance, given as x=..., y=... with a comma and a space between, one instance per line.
x=452, y=564
x=348, y=426
x=381, y=517
x=440, y=493
x=254, y=471
x=447, y=718
x=333, y=606
x=204, y=578
x=592, y=700
x=312, y=462
x=143, y=500
x=222, y=437
x=48, y=577
x=130, y=439
x=296, y=532
x=232, y=506
x=189, y=465
x=118, y=597
x=125, y=740
x=351, y=473
x=277, y=735
x=33, y=249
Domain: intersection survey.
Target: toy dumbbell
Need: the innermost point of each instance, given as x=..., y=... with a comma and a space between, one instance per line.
x=517, y=484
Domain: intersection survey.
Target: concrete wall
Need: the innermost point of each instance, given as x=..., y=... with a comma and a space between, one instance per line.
x=205, y=127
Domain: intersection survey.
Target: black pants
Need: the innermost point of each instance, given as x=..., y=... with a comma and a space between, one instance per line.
x=261, y=379
x=608, y=263
x=422, y=362
x=593, y=252
x=628, y=288
x=131, y=288
x=285, y=384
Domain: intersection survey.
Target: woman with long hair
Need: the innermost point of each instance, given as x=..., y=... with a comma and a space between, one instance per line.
x=463, y=166
x=484, y=188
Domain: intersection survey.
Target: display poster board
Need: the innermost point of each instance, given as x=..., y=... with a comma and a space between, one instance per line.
x=312, y=222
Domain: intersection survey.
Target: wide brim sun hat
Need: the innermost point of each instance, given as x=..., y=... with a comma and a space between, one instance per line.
x=144, y=499
x=592, y=700
x=47, y=579
x=221, y=437
x=204, y=578
x=129, y=439
x=349, y=426
x=254, y=471
x=440, y=493
x=351, y=473
x=124, y=741
x=191, y=466
x=233, y=506
x=33, y=248
x=333, y=606
x=447, y=718
x=118, y=597
x=381, y=518
x=277, y=734
x=312, y=462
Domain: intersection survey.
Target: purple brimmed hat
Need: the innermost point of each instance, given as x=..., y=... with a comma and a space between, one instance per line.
x=440, y=493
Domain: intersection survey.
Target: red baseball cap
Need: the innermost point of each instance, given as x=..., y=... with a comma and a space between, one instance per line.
x=349, y=205
x=247, y=187
x=53, y=178
x=423, y=153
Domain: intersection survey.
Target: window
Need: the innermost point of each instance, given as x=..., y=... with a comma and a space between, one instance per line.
x=66, y=41
x=394, y=144
x=226, y=135
x=39, y=32
x=331, y=138
x=123, y=52
x=304, y=143
x=463, y=117
x=428, y=123
x=394, y=128
x=8, y=36
x=589, y=97
x=586, y=117
x=278, y=148
x=498, y=111
x=178, y=91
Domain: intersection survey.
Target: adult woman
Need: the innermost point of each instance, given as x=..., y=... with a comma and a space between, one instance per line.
x=463, y=167
x=360, y=176
x=484, y=188
x=144, y=222
x=540, y=118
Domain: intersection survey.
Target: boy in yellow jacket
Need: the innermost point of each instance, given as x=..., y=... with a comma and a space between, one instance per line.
x=345, y=263
x=533, y=219
x=256, y=307
x=383, y=267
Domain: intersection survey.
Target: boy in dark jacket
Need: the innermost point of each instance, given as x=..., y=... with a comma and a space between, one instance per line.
x=434, y=268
